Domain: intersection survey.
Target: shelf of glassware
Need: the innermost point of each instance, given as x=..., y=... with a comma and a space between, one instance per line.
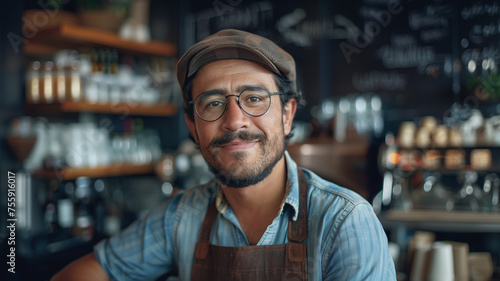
x=444, y=221
x=106, y=108
x=69, y=173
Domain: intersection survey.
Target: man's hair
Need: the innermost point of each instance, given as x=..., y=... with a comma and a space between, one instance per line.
x=285, y=86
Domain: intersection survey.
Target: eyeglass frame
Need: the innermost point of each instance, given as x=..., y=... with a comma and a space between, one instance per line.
x=193, y=102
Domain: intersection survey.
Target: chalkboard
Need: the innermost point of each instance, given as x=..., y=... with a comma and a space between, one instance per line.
x=401, y=50
x=416, y=55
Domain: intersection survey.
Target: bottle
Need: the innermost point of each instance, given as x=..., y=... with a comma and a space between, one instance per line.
x=495, y=195
x=432, y=195
x=65, y=206
x=74, y=81
x=114, y=62
x=60, y=82
x=99, y=206
x=113, y=219
x=489, y=202
x=50, y=209
x=104, y=85
x=113, y=79
x=468, y=198
x=93, y=60
x=84, y=223
x=33, y=82
x=401, y=199
x=48, y=82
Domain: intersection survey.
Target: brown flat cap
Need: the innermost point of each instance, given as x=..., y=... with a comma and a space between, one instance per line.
x=236, y=44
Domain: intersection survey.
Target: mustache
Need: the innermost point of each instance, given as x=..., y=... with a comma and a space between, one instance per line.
x=242, y=135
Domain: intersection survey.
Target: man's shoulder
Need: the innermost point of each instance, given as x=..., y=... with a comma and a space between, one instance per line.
x=199, y=196
x=324, y=190
x=332, y=205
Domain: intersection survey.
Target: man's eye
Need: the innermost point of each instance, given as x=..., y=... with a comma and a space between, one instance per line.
x=253, y=99
x=214, y=104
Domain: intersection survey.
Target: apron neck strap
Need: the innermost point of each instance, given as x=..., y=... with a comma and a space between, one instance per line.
x=208, y=223
x=297, y=230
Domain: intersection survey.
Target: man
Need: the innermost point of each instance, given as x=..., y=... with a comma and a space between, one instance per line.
x=262, y=218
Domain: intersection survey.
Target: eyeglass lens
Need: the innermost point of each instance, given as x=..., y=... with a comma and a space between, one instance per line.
x=211, y=106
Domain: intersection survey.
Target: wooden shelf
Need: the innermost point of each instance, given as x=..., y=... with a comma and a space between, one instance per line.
x=73, y=36
x=118, y=108
x=95, y=172
x=460, y=221
x=442, y=216
x=67, y=35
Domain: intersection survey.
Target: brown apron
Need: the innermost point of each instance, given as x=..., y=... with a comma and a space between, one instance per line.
x=267, y=262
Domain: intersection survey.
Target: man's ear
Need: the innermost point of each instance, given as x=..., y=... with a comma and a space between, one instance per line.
x=289, y=114
x=191, y=127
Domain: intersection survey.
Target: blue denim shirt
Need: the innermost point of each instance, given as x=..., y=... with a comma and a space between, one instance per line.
x=345, y=242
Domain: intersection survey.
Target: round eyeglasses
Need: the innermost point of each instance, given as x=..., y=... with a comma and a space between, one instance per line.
x=210, y=106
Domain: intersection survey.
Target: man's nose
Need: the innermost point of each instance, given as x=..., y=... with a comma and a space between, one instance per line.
x=234, y=118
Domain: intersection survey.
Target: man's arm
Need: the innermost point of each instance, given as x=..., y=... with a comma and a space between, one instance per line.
x=85, y=268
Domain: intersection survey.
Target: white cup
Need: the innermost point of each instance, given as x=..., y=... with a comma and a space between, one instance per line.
x=441, y=266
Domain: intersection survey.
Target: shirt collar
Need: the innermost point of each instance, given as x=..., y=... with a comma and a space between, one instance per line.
x=292, y=190
x=292, y=197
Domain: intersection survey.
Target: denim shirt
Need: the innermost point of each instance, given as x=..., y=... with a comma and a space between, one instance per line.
x=345, y=241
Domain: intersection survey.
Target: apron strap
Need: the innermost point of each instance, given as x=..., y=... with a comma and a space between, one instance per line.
x=206, y=231
x=297, y=230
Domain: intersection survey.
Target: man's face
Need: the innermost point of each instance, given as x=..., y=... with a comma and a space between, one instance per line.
x=240, y=149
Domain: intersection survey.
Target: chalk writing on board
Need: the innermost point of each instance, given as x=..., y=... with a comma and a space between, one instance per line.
x=478, y=33
x=432, y=22
x=297, y=29
x=256, y=15
x=479, y=9
x=379, y=81
x=404, y=52
x=434, y=35
x=420, y=19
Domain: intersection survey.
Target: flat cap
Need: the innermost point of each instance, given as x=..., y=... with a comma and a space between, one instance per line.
x=236, y=44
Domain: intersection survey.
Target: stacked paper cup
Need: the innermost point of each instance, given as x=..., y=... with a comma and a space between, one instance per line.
x=460, y=262
x=441, y=266
x=421, y=260
x=440, y=261
x=448, y=261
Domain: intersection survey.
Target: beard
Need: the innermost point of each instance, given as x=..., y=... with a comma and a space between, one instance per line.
x=243, y=174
